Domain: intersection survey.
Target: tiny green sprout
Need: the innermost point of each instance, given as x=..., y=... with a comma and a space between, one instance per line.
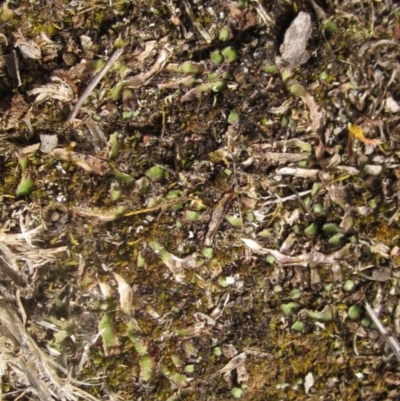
x=121, y=177
x=140, y=260
x=127, y=115
x=121, y=68
x=318, y=208
x=95, y=95
x=175, y=310
x=25, y=186
x=173, y=194
x=325, y=316
x=265, y=233
x=228, y=172
x=242, y=4
x=176, y=360
x=336, y=240
x=277, y=289
x=323, y=76
x=354, y=312
x=329, y=26
x=234, y=221
x=213, y=76
x=230, y=54
x=311, y=230
x=297, y=326
x=315, y=188
x=330, y=229
x=328, y=287
x=270, y=259
x=286, y=74
x=284, y=121
x=270, y=69
x=237, y=392
x=349, y=285
x=120, y=43
x=208, y=253
x=206, y=87
x=191, y=68
x=190, y=81
x=251, y=218
x=233, y=117
x=106, y=326
x=217, y=351
x=219, y=86
x=137, y=340
x=366, y=323
x=290, y=308
x=178, y=379
x=155, y=173
x=225, y=281
x=23, y=162
x=189, y=368
x=114, y=145
x=115, y=191
x=116, y=92
x=143, y=185
x=216, y=57
x=190, y=215
x=147, y=368
x=224, y=34
x=295, y=294
x=298, y=90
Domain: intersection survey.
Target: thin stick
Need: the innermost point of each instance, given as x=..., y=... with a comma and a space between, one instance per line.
x=390, y=340
x=114, y=57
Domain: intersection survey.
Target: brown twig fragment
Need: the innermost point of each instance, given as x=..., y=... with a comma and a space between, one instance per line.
x=114, y=57
x=217, y=216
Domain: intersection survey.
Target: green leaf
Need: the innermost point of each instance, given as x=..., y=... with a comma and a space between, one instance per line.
x=25, y=186
x=106, y=326
x=155, y=173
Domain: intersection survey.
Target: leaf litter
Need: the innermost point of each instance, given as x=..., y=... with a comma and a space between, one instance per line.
x=206, y=194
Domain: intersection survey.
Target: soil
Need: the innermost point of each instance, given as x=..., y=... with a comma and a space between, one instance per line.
x=199, y=200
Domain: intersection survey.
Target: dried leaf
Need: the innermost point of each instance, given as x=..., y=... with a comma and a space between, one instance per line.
x=143, y=78
x=217, y=217
x=175, y=265
x=298, y=172
x=312, y=258
x=357, y=132
x=125, y=294
x=102, y=215
x=87, y=162
x=232, y=364
x=58, y=89
x=27, y=47
x=293, y=48
x=316, y=114
x=308, y=382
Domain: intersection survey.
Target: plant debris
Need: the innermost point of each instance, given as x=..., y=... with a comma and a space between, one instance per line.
x=199, y=200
